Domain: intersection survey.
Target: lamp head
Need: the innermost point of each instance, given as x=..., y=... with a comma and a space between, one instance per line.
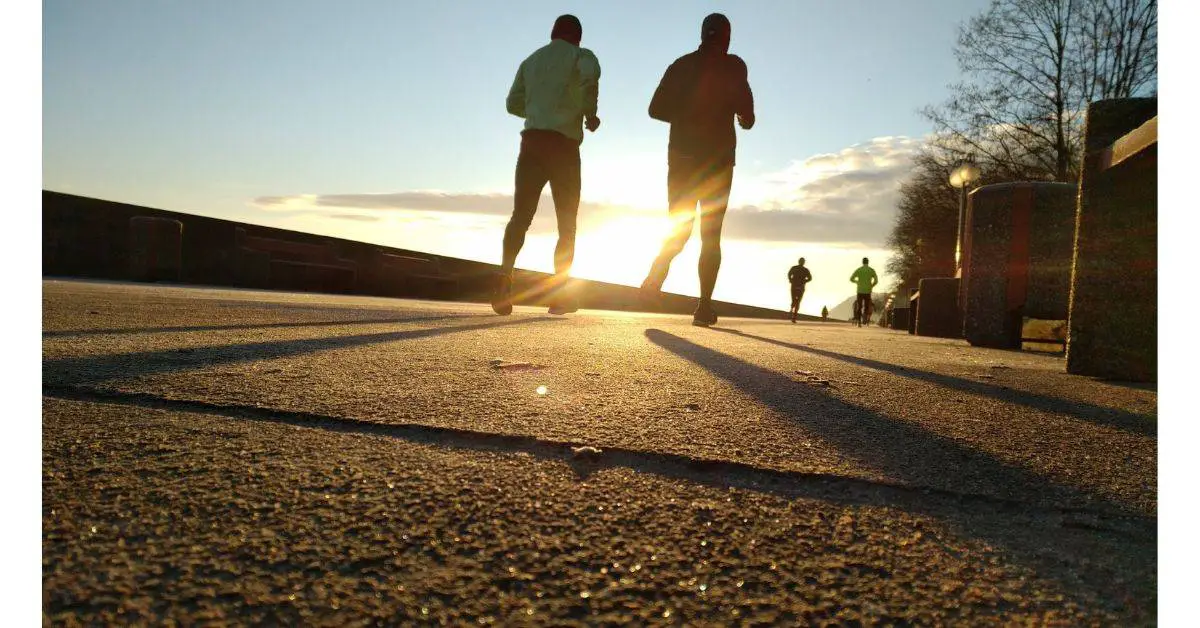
x=964, y=174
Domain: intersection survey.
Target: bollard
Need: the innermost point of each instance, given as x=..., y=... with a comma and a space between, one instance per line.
x=1112, y=330
x=1016, y=259
x=937, y=311
x=155, y=249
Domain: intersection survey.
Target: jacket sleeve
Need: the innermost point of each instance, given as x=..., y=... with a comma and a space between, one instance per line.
x=743, y=97
x=516, y=94
x=665, y=101
x=589, y=74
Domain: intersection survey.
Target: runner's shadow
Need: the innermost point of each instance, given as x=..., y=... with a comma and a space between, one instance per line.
x=900, y=450
x=919, y=458
x=72, y=333
x=1144, y=425
x=94, y=369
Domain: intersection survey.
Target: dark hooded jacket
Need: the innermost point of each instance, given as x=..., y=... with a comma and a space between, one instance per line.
x=699, y=95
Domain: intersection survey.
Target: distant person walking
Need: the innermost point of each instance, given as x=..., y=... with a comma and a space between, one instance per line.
x=865, y=278
x=798, y=276
x=824, y=312
x=700, y=95
x=556, y=90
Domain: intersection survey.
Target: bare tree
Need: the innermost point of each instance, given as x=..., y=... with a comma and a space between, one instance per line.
x=923, y=236
x=1031, y=68
x=925, y=232
x=1117, y=54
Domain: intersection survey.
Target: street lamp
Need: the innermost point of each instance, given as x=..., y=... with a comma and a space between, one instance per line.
x=963, y=175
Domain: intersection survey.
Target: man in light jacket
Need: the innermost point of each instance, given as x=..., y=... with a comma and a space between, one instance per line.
x=556, y=91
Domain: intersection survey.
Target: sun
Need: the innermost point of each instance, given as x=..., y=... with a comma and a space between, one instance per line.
x=621, y=250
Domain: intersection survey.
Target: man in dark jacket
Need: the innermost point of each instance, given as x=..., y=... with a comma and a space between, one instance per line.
x=699, y=96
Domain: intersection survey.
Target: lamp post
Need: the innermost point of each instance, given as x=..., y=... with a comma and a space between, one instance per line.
x=963, y=175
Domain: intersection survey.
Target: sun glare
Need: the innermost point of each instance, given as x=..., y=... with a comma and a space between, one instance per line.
x=621, y=250
x=635, y=180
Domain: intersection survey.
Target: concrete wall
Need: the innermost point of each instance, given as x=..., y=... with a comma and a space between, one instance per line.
x=1016, y=259
x=1112, y=329
x=88, y=237
x=937, y=312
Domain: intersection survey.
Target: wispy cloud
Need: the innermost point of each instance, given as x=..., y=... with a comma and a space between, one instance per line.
x=417, y=200
x=847, y=196
x=843, y=197
x=356, y=217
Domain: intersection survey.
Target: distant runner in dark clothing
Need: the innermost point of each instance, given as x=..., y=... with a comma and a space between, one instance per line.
x=699, y=96
x=798, y=276
x=556, y=91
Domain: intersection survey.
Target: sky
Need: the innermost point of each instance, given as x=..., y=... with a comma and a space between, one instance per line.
x=384, y=122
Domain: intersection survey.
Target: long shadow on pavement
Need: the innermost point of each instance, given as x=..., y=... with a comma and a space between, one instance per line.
x=72, y=333
x=918, y=457
x=1144, y=425
x=92, y=369
x=898, y=449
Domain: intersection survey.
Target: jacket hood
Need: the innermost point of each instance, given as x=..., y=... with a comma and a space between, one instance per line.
x=714, y=33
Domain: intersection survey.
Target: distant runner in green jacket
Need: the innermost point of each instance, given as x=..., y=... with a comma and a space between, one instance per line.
x=865, y=278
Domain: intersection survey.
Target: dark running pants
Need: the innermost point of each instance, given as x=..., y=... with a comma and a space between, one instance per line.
x=545, y=157
x=863, y=303
x=693, y=180
x=797, y=294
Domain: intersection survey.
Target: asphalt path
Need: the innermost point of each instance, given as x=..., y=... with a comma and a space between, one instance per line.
x=259, y=457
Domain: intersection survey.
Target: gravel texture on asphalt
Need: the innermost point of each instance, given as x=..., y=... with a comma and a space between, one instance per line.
x=233, y=452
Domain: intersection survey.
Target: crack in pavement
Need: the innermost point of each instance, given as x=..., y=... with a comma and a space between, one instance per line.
x=714, y=473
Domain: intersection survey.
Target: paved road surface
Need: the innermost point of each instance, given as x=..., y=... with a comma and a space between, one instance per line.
x=284, y=458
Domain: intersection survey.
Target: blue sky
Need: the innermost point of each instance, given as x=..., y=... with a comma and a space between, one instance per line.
x=262, y=111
